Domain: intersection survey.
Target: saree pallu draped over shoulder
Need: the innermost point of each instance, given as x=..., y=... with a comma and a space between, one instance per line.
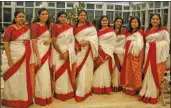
x=104, y=65
x=43, y=90
x=119, y=57
x=131, y=74
x=156, y=55
x=17, y=86
x=85, y=63
x=64, y=72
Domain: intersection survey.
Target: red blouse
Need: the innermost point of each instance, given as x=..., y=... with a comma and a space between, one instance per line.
x=11, y=33
x=56, y=30
x=37, y=30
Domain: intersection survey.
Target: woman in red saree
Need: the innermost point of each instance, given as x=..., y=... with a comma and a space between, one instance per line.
x=105, y=62
x=118, y=53
x=17, y=90
x=156, y=53
x=87, y=49
x=64, y=58
x=41, y=39
x=131, y=74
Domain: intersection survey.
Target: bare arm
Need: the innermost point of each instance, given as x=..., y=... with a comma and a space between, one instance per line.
x=34, y=34
x=8, y=52
x=35, y=49
x=56, y=46
x=64, y=55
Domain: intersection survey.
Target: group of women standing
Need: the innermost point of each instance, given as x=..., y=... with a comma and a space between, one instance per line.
x=74, y=61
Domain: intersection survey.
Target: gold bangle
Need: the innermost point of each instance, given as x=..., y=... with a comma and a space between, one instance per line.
x=9, y=58
x=37, y=57
x=56, y=43
x=8, y=54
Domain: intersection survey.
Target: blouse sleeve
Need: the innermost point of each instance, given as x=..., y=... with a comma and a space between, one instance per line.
x=34, y=31
x=54, y=31
x=8, y=33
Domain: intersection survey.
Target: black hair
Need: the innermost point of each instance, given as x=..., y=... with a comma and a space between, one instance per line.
x=37, y=19
x=29, y=22
x=139, y=24
x=99, y=23
x=15, y=15
x=59, y=14
x=87, y=23
x=150, y=25
x=114, y=26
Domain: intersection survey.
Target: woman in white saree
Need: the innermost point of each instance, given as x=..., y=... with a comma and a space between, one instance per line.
x=156, y=53
x=104, y=64
x=118, y=53
x=15, y=67
x=87, y=49
x=64, y=58
x=41, y=39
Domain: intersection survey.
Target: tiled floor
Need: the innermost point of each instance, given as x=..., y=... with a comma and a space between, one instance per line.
x=114, y=100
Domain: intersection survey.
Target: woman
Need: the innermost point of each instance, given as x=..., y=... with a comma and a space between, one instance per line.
x=87, y=49
x=105, y=62
x=131, y=75
x=64, y=58
x=118, y=53
x=156, y=53
x=41, y=46
x=15, y=64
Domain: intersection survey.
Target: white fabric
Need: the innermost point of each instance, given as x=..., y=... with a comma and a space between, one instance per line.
x=120, y=47
x=42, y=77
x=85, y=76
x=162, y=45
x=119, y=50
x=162, y=40
x=137, y=43
x=15, y=88
x=90, y=35
x=120, y=44
x=66, y=42
x=102, y=77
x=149, y=88
x=116, y=77
x=107, y=42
